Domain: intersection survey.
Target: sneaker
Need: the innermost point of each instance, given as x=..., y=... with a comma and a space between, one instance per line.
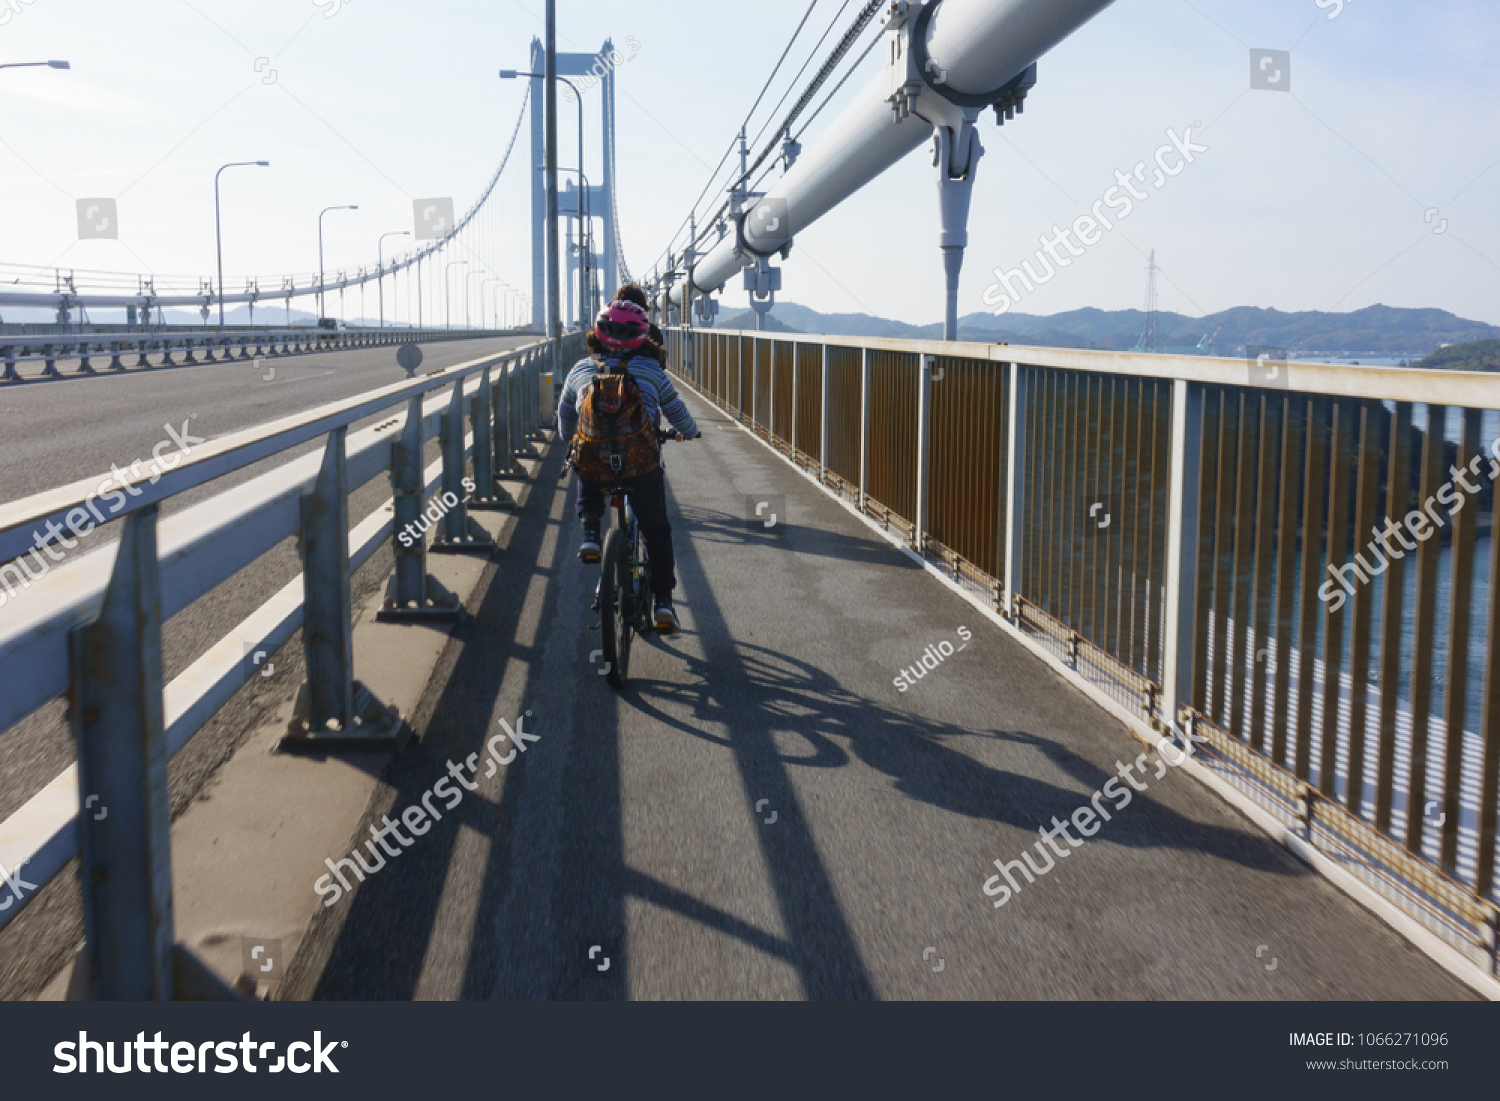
x=588, y=551
x=666, y=618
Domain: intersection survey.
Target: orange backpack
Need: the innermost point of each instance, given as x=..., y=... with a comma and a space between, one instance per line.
x=615, y=438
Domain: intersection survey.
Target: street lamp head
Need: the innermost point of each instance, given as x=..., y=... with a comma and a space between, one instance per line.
x=262, y=164
x=58, y=65
x=509, y=74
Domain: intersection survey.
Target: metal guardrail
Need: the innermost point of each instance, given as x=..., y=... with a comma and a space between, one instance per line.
x=90, y=628
x=1182, y=531
x=214, y=347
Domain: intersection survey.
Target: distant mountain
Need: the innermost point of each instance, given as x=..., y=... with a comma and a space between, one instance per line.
x=1375, y=330
x=1478, y=355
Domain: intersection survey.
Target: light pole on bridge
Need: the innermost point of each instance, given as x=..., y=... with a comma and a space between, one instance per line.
x=380, y=256
x=585, y=260
x=447, y=300
x=36, y=65
x=321, y=279
x=494, y=312
x=469, y=296
x=218, y=224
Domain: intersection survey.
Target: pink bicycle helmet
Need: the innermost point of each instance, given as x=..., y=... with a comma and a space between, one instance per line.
x=622, y=326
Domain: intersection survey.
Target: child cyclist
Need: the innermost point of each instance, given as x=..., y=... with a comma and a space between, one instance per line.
x=610, y=408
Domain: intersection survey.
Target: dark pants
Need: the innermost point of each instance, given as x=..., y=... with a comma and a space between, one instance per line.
x=648, y=499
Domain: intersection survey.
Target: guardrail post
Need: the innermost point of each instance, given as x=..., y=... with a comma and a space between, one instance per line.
x=487, y=495
x=189, y=357
x=1015, y=482
x=924, y=452
x=412, y=595
x=8, y=353
x=125, y=816
x=823, y=440
x=864, y=431
x=505, y=454
x=1181, y=587
x=143, y=361
x=49, y=367
x=84, y=366
x=457, y=532
x=114, y=356
x=520, y=433
x=332, y=707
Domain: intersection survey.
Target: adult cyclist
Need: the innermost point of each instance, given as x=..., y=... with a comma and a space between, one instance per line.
x=619, y=344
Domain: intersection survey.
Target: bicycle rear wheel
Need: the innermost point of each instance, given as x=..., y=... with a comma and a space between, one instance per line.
x=615, y=609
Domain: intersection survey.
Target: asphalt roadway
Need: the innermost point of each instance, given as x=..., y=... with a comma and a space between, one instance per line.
x=761, y=813
x=53, y=432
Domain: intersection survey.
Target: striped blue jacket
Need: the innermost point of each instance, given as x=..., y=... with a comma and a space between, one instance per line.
x=657, y=392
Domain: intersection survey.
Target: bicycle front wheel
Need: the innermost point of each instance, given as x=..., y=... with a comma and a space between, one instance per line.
x=615, y=609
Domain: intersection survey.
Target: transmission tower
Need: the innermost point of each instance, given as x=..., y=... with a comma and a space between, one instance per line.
x=1147, y=342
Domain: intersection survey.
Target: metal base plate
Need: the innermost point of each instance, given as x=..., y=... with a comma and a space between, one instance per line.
x=441, y=606
x=374, y=725
x=475, y=538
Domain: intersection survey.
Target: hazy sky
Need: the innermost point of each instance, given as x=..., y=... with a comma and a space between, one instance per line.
x=1308, y=199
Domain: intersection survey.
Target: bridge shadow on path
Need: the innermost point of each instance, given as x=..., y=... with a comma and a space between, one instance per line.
x=543, y=891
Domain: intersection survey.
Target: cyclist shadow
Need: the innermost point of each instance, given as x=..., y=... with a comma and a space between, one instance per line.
x=779, y=694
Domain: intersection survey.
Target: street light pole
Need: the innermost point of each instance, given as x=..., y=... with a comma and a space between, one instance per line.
x=380, y=256
x=36, y=64
x=218, y=224
x=321, y=279
x=494, y=313
x=585, y=253
x=447, y=302
x=551, y=76
x=469, y=296
x=554, y=279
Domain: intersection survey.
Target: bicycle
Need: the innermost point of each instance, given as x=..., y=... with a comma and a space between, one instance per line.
x=622, y=598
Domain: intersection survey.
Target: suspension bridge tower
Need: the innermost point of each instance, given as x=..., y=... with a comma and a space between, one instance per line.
x=598, y=258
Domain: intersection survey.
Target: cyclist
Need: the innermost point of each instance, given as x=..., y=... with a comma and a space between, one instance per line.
x=619, y=344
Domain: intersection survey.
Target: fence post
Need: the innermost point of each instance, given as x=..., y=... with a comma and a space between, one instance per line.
x=796, y=393
x=125, y=816
x=924, y=452
x=331, y=706
x=1181, y=586
x=864, y=431
x=823, y=442
x=754, y=382
x=1015, y=481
